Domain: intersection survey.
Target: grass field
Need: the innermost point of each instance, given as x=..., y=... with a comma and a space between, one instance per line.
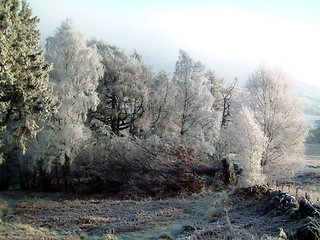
x=309, y=178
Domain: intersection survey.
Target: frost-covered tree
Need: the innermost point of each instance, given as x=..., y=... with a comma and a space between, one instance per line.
x=279, y=116
x=122, y=90
x=76, y=72
x=228, y=102
x=24, y=90
x=132, y=98
x=161, y=109
x=217, y=85
x=75, y=76
x=247, y=140
x=228, y=96
x=195, y=119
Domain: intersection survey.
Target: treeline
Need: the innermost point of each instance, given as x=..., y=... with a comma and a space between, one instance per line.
x=88, y=117
x=314, y=134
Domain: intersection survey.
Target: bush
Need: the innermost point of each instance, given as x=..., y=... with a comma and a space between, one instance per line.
x=139, y=168
x=173, y=175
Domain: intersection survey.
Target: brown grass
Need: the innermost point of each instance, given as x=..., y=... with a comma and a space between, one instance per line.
x=105, y=216
x=238, y=214
x=24, y=231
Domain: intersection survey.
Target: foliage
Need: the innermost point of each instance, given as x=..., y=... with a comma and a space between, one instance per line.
x=246, y=139
x=173, y=175
x=228, y=101
x=25, y=94
x=162, y=108
x=279, y=116
x=76, y=72
x=123, y=127
x=194, y=116
x=133, y=100
x=142, y=168
x=75, y=76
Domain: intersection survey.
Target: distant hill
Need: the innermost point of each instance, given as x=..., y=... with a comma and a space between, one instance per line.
x=310, y=96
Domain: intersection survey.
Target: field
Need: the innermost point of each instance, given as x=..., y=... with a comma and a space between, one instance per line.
x=218, y=215
x=233, y=213
x=309, y=178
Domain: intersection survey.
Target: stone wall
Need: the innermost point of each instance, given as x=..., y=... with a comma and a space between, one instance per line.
x=304, y=211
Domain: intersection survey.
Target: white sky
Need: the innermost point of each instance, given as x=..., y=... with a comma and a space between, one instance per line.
x=231, y=38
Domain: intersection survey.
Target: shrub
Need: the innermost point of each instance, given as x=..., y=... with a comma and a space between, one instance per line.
x=170, y=174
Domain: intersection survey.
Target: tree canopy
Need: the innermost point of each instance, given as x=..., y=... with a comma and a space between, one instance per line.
x=121, y=121
x=75, y=77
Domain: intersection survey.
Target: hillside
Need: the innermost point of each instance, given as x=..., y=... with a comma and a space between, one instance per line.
x=310, y=96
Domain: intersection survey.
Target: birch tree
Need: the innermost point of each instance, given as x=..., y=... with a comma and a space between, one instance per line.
x=162, y=106
x=75, y=76
x=195, y=119
x=279, y=116
x=247, y=140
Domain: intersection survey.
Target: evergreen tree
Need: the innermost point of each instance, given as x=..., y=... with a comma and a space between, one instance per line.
x=24, y=90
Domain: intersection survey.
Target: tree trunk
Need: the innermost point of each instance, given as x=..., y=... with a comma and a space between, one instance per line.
x=66, y=174
x=230, y=178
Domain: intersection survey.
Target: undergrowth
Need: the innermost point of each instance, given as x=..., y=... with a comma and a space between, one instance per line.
x=4, y=209
x=315, y=226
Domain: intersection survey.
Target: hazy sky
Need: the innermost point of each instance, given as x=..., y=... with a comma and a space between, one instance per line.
x=231, y=37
